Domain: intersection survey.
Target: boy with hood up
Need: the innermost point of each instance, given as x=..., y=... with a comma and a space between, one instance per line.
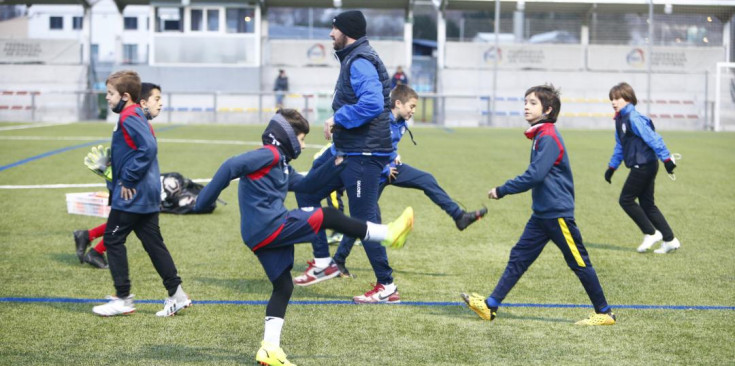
x=270, y=230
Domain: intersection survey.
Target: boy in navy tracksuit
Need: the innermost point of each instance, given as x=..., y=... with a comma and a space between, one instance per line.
x=270, y=230
x=549, y=176
x=640, y=147
x=403, y=106
x=135, y=192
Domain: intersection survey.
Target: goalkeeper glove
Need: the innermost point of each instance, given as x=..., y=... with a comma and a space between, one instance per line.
x=98, y=161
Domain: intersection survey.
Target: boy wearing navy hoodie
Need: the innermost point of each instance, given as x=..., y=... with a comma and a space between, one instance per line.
x=135, y=192
x=549, y=176
x=271, y=231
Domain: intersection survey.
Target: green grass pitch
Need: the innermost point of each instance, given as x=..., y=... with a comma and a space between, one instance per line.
x=438, y=263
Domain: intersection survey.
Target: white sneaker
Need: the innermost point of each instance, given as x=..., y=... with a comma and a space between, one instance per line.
x=380, y=294
x=116, y=306
x=173, y=304
x=649, y=240
x=668, y=246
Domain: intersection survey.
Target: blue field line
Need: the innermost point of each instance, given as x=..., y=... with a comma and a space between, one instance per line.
x=64, y=149
x=347, y=302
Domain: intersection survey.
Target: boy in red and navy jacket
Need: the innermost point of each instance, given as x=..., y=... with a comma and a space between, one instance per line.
x=270, y=230
x=549, y=176
x=135, y=193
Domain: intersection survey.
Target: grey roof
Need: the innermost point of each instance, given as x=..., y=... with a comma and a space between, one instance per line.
x=722, y=8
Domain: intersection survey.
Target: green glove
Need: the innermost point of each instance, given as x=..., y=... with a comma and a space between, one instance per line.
x=98, y=161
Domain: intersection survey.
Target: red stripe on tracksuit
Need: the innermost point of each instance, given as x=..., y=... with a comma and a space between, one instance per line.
x=260, y=173
x=316, y=219
x=127, y=112
x=270, y=238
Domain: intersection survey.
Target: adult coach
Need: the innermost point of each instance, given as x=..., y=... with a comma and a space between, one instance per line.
x=360, y=129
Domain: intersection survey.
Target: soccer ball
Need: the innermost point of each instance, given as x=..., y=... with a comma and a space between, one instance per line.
x=171, y=186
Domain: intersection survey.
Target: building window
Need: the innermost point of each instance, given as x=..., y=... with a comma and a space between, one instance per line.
x=130, y=53
x=95, y=50
x=240, y=20
x=169, y=20
x=131, y=23
x=213, y=20
x=56, y=23
x=76, y=23
x=197, y=18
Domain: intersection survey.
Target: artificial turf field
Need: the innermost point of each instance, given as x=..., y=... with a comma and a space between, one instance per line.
x=672, y=309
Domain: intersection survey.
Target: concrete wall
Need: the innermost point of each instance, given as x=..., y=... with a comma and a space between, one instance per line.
x=678, y=99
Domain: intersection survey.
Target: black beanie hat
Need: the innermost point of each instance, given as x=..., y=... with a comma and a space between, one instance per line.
x=351, y=23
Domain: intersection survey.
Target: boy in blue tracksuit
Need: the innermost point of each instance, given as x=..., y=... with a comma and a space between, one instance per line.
x=270, y=230
x=549, y=176
x=403, y=106
x=640, y=147
x=135, y=192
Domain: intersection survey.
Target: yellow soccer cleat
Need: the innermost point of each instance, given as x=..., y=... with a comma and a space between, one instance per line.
x=598, y=319
x=398, y=230
x=270, y=355
x=478, y=305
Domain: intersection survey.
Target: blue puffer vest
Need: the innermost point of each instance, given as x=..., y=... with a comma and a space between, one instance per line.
x=374, y=136
x=635, y=150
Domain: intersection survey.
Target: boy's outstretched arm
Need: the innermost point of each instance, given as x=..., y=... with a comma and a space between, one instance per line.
x=317, y=177
x=548, y=152
x=234, y=167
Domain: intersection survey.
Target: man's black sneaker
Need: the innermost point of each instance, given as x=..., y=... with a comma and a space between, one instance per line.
x=468, y=218
x=81, y=238
x=345, y=273
x=95, y=259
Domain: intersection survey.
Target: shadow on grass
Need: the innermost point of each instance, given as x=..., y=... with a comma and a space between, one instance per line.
x=428, y=274
x=66, y=258
x=462, y=311
x=184, y=354
x=608, y=247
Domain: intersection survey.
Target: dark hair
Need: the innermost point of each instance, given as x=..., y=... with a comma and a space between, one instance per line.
x=295, y=119
x=146, y=89
x=402, y=92
x=126, y=81
x=625, y=91
x=549, y=97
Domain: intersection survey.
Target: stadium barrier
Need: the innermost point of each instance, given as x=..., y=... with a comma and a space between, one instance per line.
x=451, y=110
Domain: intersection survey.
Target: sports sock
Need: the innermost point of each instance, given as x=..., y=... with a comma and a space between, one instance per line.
x=376, y=232
x=272, y=332
x=492, y=303
x=322, y=262
x=100, y=247
x=97, y=232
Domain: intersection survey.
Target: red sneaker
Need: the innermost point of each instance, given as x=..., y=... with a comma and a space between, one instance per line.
x=378, y=295
x=314, y=274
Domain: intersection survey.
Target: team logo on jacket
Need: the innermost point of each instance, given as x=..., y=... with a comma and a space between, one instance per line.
x=622, y=127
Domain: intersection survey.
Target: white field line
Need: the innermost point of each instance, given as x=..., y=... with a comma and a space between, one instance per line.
x=162, y=140
x=23, y=127
x=82, y=185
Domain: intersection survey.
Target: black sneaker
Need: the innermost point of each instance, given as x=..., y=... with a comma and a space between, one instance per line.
x=467, y=218
x=81, y=238
x=344, y=272
x=95, y=259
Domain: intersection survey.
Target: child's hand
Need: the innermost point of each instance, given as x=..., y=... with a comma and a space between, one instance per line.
x=127, y=193
x=493, y=194
x=328, y=127
x=392, y=174
x=338, y=160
